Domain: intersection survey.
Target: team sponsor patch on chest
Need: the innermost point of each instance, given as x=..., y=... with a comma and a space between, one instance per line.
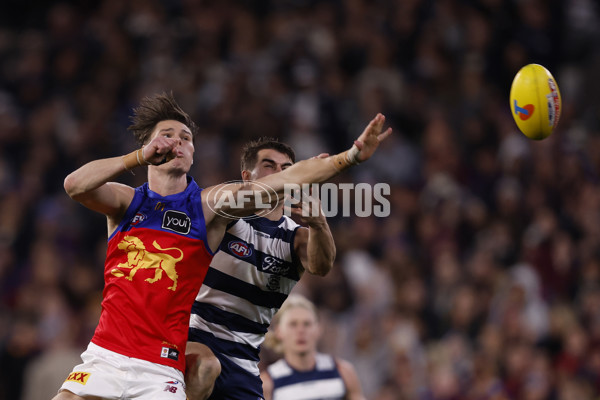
x=177, y=221
x=79, y=377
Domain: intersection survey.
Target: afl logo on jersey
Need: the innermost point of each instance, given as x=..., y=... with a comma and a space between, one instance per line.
x=139, y=217
x=240, y=249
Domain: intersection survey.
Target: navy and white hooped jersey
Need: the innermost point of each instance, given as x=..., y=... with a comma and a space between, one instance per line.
x=324, y=382
x=249, y=278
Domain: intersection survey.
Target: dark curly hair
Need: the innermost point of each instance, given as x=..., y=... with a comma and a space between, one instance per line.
x=251, y=149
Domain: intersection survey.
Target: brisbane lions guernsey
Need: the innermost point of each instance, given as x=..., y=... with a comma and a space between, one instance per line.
x=156, y=261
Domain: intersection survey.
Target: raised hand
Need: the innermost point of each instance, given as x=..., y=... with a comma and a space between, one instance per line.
x=160, y=150
x=370, y=138
x=306, y=209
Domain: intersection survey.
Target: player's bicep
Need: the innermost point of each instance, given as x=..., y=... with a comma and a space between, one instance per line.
x=110, y=199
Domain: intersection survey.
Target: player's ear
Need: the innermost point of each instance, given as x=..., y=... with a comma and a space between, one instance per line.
x=277, y=333
x=246, y=175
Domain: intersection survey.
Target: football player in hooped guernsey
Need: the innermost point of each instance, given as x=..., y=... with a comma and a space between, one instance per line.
x=260, y=260
x=161, y=240
x=304, y=373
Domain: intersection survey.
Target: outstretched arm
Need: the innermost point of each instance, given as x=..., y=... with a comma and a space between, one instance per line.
x=314, y=170
x=317, y=170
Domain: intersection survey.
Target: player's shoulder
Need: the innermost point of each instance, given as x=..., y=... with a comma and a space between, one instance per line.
x=325, y=361
x=279, y=369
x=346, y=370
x=281, y=227
x=283, y=222
x=288, y=223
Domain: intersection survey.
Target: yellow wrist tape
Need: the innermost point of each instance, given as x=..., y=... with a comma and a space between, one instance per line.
x=346, y=159
x=134, y=159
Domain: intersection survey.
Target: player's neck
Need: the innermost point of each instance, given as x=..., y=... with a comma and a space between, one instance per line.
x=301, y=361
x=166, y=184
x=276, y=213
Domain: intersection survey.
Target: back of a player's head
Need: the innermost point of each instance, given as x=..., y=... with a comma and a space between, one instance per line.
x=154, y=109
x=251, y=149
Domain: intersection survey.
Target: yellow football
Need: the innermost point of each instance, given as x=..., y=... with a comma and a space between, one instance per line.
x=535, y=101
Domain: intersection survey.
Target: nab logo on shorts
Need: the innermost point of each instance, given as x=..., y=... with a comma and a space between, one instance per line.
x=177, y=221
x=79, y=377
x=240, y=249
x=167, y=352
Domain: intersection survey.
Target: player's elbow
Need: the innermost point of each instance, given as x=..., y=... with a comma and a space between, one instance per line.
x=71, y=186
x=322, y=268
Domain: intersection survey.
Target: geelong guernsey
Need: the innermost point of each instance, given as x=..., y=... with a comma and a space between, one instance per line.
x=155, y=263
x=324, y=382
x=249, y=278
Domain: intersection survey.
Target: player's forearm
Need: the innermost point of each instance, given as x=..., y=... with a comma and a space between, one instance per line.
x=93, y=175
x=98, y=172
x=320, y=249
x=314, y=170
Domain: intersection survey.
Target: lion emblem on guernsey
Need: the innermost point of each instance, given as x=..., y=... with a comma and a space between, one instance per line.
x=139, y=257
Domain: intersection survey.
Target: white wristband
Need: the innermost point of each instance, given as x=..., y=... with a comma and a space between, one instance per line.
x=352, y=155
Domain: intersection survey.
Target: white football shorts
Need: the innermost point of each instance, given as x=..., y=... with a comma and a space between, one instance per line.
x=110, y=375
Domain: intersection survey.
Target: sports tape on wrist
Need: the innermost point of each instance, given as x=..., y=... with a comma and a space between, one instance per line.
x=346, y=159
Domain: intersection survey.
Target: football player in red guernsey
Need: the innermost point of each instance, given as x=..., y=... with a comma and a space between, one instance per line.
x=161, y=239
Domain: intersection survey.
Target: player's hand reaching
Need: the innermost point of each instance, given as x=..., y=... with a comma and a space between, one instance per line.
x=305, y=209
x=369, y=140
x=364, y=146
x=160, y=150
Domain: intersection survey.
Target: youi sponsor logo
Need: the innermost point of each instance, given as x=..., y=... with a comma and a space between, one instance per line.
x=177, y=221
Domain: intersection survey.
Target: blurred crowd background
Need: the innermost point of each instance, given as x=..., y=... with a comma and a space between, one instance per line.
x=483, y=283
